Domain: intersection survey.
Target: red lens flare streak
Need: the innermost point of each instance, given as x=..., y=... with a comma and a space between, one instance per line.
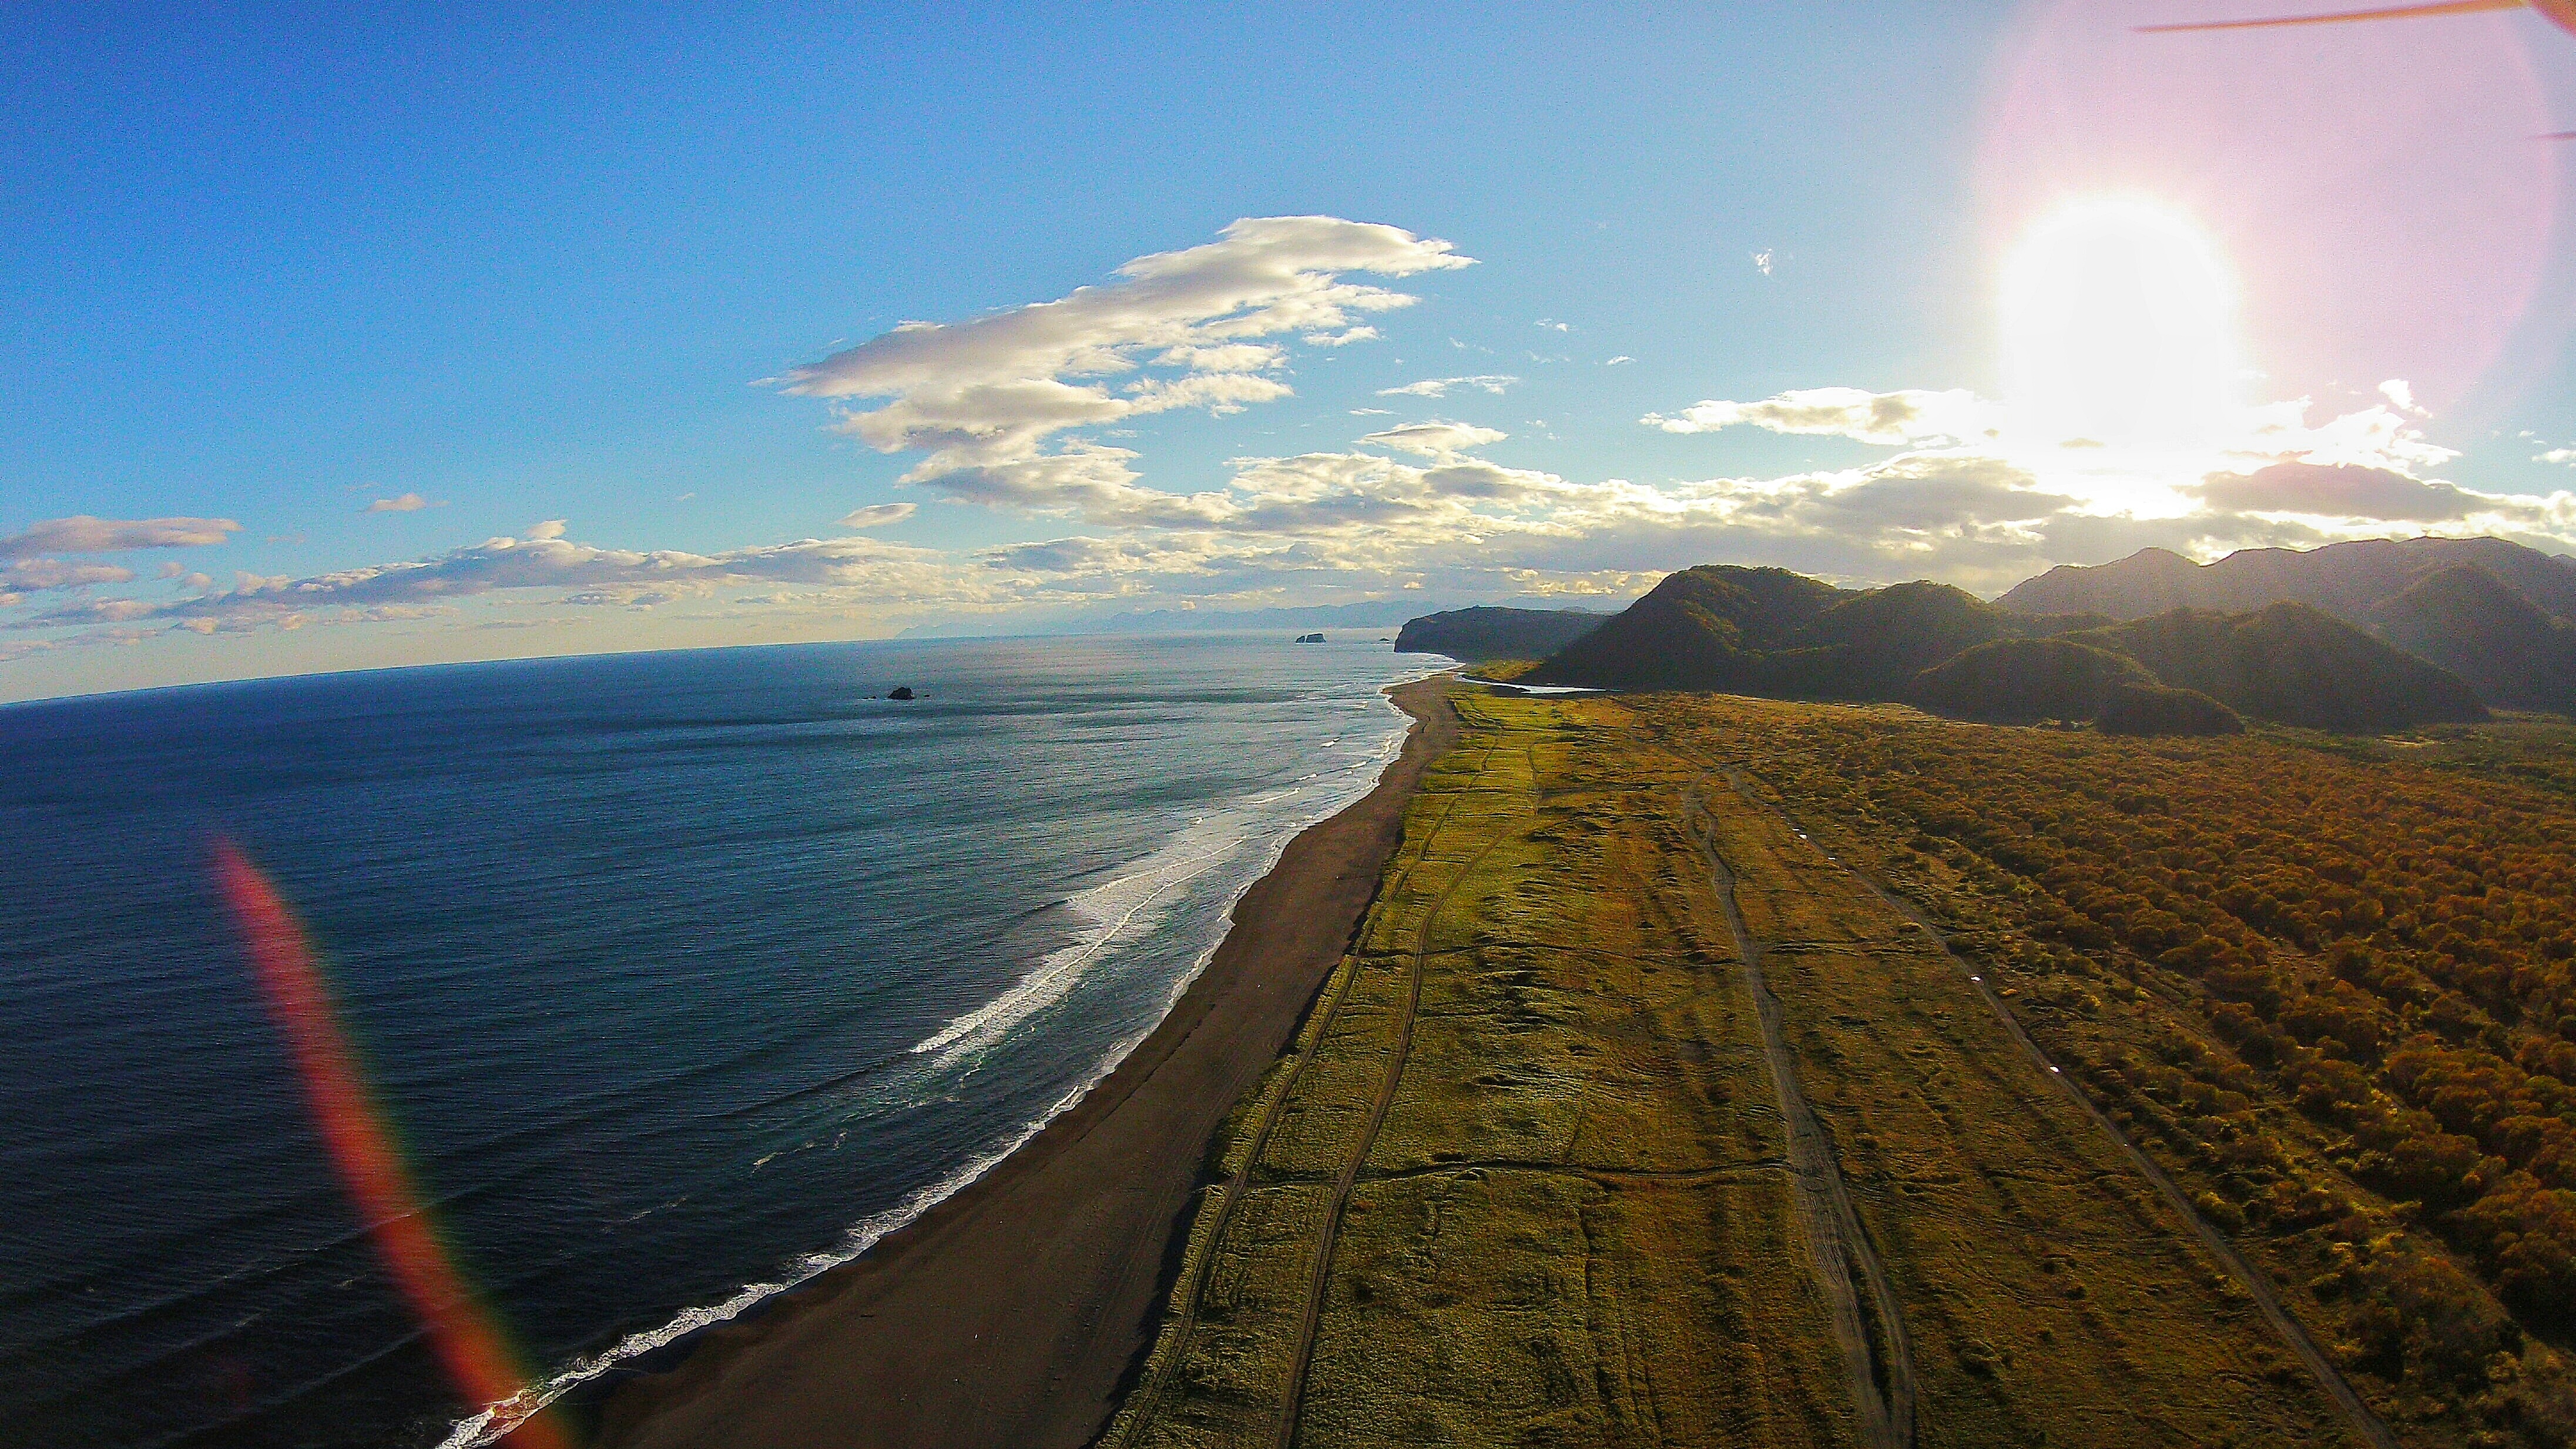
x=469, y=1344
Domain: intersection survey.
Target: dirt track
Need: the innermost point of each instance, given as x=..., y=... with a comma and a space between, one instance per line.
x=1871, y=1333
x=2293, y=1333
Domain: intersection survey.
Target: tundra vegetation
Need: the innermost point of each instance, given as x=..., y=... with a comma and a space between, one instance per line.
x=1690, y=1082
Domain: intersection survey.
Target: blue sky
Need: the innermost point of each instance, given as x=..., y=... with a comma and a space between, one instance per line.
x=551, y=278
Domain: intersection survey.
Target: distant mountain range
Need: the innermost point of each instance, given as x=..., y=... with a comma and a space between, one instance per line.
x=2363, y=636
x=2494, y=613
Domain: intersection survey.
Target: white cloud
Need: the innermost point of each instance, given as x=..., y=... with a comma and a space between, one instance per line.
x=2320, y=490
x=1439, y=386
x=404, y=503
x=84, y=534
x=33, y=575
x=1762, y=261
x=579, y=573
x=2558, y=455
x=1905, y=418
x=878, y=515
x=1435, y=440
x=983, y=399
x=1028, y=410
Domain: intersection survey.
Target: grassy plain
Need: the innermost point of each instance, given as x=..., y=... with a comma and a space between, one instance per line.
x=2322, y=982
x=1534, y=1174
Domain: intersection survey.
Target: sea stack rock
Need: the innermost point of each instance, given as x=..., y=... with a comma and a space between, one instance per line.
x=901, y=692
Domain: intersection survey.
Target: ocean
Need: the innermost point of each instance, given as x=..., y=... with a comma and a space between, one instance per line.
x=677, y=978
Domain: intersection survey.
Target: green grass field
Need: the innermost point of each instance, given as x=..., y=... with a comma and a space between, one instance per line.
x=1527, y=1177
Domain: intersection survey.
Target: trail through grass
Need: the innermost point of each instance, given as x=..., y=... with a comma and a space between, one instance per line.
x=1528, y=1174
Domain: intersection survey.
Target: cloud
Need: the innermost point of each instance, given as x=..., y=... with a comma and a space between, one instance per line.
x=1081, y=477
x=878, y=515
x=33, y=575
x=581, y=573
x=984, y=399
x=2558, y=455
x=1905, y=418
x=1034, y=411
x=2342, y=491
x=1762, y=261
x=1435, y=440
x=1439, y=386
x=406, y=503
x=84, y=534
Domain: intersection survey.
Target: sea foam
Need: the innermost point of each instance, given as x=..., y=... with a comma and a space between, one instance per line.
x=1116, y=909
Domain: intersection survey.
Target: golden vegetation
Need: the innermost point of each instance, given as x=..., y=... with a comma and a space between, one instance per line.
x=2327, y=983
x=1529, y=1174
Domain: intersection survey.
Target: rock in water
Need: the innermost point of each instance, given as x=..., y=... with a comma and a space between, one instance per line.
x=902, y=692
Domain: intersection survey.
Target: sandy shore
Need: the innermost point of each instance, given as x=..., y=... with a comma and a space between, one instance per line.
x=1012, y=1314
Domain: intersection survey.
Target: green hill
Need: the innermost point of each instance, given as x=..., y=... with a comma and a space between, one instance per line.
x=2158, y=709
x=1702, y=628
x=1871, y=646
x=1490, y=632
x=2346, y=580
x=2482, y=629
x=1773, y=632
x=2294, y=665
x=2494, y=613
x=2015, y=681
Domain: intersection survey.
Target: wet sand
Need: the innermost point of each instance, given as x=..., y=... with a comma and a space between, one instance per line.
x=1013, y=1313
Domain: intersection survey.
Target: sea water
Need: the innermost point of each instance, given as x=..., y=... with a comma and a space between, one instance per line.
x=679, y=977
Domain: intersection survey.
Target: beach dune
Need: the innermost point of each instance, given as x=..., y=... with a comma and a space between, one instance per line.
x=1013, y=1313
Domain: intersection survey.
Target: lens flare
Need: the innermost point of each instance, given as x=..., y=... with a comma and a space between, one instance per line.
x=2119, y=328
x=462, y=1332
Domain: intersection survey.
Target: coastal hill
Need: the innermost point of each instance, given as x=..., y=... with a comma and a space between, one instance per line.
x=2018, y=681
x=1712, y=627
x=2293, y=665
x=2346, y=580
x=2489, y=633
x=1778, y=634
x=2497, y=614
x=1491, y=632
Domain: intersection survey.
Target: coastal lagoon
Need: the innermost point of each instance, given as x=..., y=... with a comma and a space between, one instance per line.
x=682, y=977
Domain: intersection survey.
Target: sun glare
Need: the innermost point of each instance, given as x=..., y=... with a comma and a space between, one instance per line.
x=2119, y=329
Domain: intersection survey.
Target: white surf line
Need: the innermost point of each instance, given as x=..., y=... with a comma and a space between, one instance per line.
x=494, y=1421
x=1037, y=981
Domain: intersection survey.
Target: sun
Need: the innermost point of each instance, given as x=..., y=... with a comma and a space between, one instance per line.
x=2120, y=331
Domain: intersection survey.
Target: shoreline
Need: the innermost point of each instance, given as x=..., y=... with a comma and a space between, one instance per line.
x=1015, y=1311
